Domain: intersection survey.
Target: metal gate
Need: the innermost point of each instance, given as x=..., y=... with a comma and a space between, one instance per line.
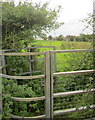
x=49, y=76
x=50, y=87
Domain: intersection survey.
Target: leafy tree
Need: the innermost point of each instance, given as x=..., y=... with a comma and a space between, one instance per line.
x=50, y=37
x=60, y=37
x=81, y=37
x=71, y=37
x=86, y=38
x=22, y=23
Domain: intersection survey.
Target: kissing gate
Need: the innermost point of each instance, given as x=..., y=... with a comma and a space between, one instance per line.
x=52, y=97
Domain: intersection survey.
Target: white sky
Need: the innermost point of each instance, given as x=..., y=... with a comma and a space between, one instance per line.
x=73, y=11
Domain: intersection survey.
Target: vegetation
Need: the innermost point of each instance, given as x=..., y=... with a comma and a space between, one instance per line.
x=63, y=45
x=21, y=25
x=35, y=88
x=80, y=38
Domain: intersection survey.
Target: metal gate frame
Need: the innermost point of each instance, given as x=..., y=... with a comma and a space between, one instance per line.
x=49, y=74
x=49, y=95
x=29, y=58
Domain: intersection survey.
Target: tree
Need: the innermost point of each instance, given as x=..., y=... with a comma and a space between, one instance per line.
x=89, y=22
x=50, y=37
x=86, y=38
x=60, y=37
x=22, y=23
x=70, y=37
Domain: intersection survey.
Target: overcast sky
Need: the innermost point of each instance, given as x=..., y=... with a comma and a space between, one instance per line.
x=73, y=11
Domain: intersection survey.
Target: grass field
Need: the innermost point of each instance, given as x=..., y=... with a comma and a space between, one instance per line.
x=64, y=44
x=66, y=61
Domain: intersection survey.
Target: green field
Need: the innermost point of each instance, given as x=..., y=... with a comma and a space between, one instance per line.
x=66, y=61
x=64, y=44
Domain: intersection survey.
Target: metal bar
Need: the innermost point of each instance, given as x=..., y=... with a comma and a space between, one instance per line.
x=53, y=51
x=62, y=94
x=21, y=77
x=55, y=67
x=59, y=112
x=3, y=63
x=27, y=48
x=1, y=105
x=55, y=95
x=25, y=54
x=30, y=68
x=47, y=85
x=74, y=72
x=77, y=50
x=28, y=99
x=51, y=85
x=20, y=117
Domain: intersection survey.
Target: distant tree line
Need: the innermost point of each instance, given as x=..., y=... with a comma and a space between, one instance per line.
x=81, y=37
